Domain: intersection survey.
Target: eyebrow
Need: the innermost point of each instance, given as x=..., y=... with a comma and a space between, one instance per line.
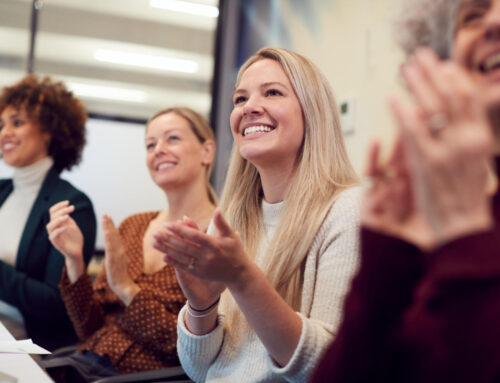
x=165, y=133
x=473, y=3
x=264, y=85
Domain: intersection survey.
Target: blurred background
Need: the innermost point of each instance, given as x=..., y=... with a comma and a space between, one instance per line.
x=126, y=59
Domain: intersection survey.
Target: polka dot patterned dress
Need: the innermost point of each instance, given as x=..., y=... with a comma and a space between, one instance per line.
x=141, y=336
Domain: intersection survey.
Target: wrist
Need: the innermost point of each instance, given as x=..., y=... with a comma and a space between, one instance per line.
x=244, y=278
x=75, y=267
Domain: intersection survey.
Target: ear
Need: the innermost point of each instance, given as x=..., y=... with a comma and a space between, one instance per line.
x=208, y=152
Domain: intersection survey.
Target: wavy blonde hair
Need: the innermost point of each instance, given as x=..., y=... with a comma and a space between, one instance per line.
x=322, y=171
x=202, y=130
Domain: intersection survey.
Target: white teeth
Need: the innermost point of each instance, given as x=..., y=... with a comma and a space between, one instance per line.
x=256, y=129
x=8, y=146
x=491, y=63
x=165, y=165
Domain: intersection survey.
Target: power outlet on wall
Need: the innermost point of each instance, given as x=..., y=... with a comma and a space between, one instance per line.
x=347, y=109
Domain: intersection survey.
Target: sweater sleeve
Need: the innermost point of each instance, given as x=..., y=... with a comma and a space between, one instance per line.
x=381, y=291
x=197, y=353
x=335, y=264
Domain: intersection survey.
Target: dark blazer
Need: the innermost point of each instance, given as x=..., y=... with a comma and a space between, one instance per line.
x=32, y=286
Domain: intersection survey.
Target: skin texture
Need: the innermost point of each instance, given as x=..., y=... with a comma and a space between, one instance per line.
x=22, y=141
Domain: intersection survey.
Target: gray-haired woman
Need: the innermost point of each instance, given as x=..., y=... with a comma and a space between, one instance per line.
x=426, y=302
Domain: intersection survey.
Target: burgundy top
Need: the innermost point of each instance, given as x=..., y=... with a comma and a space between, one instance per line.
x=415, y=317
x=141, y=336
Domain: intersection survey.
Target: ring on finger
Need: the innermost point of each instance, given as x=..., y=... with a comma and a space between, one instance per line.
x=437, y=122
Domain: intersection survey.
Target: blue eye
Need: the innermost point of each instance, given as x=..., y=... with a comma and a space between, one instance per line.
x=173, y=138
x=273, y=92
x=239, y=99
x=150, y=146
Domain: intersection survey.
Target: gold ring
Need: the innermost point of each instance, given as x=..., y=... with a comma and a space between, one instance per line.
x=190, y=266
x=437, y=122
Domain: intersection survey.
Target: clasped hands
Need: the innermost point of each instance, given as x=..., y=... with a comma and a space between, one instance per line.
x=66, y=237
x=433, y=189
x=205, y=264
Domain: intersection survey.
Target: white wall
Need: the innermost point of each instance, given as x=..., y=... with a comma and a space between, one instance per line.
x=353, y=46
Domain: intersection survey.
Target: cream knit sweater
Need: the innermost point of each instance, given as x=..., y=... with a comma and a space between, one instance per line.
x=330, y=265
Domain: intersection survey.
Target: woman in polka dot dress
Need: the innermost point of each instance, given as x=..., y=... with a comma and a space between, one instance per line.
x=127, y=317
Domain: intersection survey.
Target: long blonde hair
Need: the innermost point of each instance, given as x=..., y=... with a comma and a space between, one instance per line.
x=322, y=171
x=202, y=130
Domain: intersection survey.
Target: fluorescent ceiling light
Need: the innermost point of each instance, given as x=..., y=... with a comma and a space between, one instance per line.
x=186, y=7
x=146, y=61
x=107, y=92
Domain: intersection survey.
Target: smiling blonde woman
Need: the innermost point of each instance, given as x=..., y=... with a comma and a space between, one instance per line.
x=289, y=247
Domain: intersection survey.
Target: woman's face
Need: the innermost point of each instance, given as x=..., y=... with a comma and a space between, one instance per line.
x=174, y=155
x=266, y=120
x=477, y=44
x=22, y=141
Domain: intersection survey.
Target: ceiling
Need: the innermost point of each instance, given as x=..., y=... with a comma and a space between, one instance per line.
x=116, y=55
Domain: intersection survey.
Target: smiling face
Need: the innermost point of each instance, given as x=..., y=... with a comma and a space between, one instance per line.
x=477, y=44
x=266, y=121
x=175, y=156
x=22, y=141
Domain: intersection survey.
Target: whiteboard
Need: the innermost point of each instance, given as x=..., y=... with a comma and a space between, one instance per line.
x=113, y=172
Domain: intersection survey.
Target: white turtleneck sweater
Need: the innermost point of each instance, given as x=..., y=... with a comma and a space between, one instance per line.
x=330, y=264
x=14, y=213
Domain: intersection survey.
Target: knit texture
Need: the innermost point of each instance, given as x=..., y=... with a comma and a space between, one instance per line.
x=237, y=355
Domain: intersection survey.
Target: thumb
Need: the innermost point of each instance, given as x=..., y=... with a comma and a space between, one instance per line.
x=222, y=226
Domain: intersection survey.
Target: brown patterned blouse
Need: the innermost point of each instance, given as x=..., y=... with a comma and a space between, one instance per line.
x=141, y=336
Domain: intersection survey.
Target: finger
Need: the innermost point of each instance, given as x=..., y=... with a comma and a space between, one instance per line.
x=414, y=134
x=189, y=222
x=436, y=72
x=55, y=233
x=57, y=222
x=222, y=226
x=190, y=234
x=179, y=244
x=372, y=168
x=422, y=90
x=62, y=211
x=175, y=263
x=58, y=206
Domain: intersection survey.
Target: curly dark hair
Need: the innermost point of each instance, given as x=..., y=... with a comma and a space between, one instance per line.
x=56, y=110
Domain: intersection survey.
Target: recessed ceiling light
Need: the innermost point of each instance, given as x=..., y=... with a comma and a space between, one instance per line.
x=186, y=7
x=107, y=92
x=146, y=61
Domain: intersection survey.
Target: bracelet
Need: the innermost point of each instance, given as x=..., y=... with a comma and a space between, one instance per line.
x=202, y=313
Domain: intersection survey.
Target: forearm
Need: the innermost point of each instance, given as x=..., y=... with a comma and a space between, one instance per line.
x=276, y=324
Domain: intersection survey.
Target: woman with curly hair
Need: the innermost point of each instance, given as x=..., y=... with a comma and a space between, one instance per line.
x=42, y=132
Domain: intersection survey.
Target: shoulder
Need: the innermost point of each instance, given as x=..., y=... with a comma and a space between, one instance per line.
x=343, y=217
x=63, y=189
x=346, y=206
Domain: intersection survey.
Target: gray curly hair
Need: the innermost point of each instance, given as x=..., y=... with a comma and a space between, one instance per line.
x=428, y=23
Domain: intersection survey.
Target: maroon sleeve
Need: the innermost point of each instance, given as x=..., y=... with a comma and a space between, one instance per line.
x=380, y=293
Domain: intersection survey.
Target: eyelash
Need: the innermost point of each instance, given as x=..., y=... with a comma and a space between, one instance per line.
x=269, y=92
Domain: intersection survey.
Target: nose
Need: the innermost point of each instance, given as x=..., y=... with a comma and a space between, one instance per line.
x=252, y=107
x=492, y=21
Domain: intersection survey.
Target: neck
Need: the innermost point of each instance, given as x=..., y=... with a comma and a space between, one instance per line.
x=191, y=201
x=275, y=182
